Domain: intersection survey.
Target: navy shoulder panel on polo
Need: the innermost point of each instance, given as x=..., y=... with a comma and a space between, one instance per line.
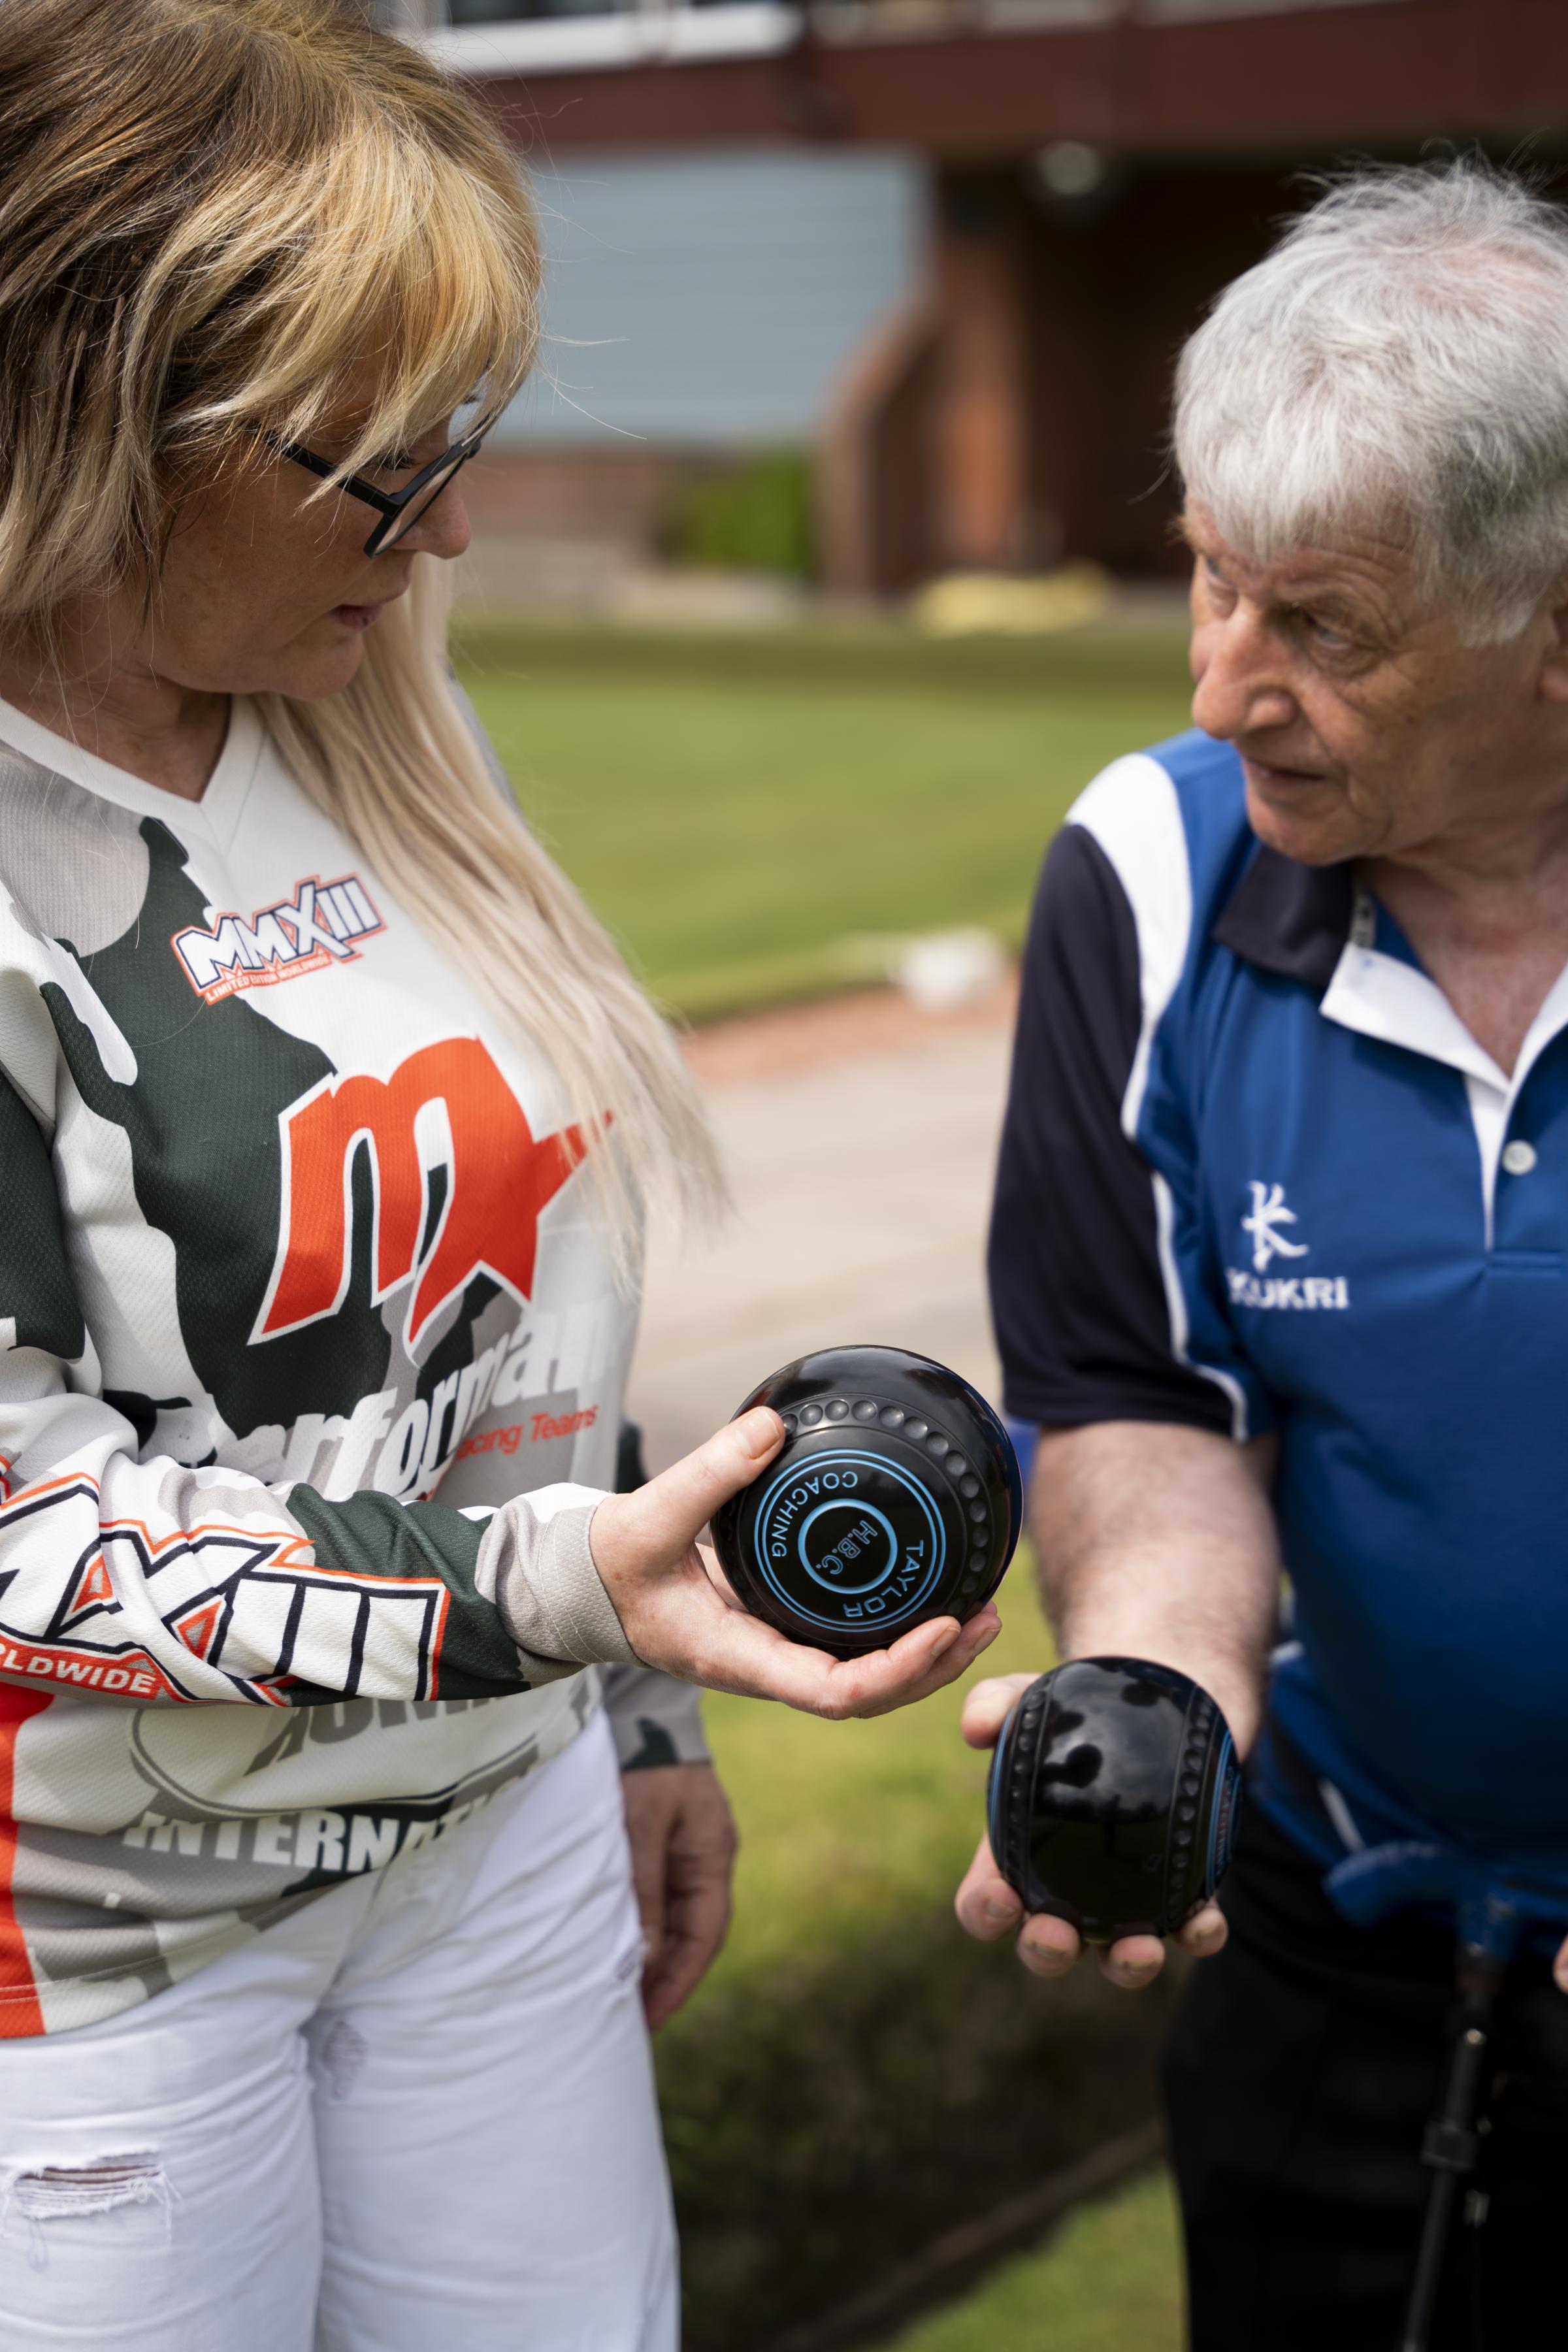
x=1256, y=1175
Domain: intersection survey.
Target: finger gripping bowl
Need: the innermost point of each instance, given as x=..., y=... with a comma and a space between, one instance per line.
x=1114, y=1797
x=895, y=1498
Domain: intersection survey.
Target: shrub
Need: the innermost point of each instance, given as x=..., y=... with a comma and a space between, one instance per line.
x=755, y=514
x=829, y=2114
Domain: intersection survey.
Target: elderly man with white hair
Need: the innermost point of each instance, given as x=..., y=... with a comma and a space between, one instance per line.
x=1279, y=1257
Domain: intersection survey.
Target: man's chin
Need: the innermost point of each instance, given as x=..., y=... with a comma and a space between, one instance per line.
x=1313, y=825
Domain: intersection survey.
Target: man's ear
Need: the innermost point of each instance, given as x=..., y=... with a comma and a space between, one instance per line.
x=1554, y=669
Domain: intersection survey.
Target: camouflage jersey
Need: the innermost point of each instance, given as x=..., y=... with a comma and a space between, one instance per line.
x=292, y=1239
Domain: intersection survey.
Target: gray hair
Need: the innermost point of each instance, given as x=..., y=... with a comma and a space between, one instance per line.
x=1400, y=358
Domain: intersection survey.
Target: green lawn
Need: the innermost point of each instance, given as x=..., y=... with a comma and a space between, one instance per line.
x=738, y=809
x=1108, y=2281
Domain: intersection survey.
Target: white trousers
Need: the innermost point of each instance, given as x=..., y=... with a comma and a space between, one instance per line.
x=419, y=2112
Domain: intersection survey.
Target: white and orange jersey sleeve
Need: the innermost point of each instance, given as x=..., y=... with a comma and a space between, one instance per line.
x=149, y=1581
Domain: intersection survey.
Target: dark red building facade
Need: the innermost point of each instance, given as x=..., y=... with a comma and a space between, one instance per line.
x=1102, y=171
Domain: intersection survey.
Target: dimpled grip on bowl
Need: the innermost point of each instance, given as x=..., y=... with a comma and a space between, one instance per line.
x=895, y=1498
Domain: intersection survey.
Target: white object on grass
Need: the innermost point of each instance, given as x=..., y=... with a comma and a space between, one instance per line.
x=950, y=968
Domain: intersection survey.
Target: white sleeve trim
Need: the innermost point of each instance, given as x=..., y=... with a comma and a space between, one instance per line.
x=1132, y=812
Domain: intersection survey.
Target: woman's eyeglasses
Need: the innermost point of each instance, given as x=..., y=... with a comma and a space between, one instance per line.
x=399, y=509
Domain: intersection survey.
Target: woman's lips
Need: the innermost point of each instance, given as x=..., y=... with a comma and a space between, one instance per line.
x=364, y=616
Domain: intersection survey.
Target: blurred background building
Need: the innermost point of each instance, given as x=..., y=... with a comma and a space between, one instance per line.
x=884, y=289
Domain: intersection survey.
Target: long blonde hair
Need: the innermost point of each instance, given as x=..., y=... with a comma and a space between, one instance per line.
x=212, y=213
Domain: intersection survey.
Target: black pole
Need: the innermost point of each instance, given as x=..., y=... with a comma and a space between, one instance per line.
x=1452, y=2142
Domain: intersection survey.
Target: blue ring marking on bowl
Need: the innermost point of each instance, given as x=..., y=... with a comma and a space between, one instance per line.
x=866, y=1510
x=816, y=1466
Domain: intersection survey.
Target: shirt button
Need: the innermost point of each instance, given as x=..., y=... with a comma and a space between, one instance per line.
x=1518, y=1157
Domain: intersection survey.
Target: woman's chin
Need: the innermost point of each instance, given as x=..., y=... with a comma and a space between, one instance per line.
x=315, y=672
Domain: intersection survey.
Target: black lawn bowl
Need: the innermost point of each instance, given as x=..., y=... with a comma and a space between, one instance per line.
x=895, y=1498
x=1114, y=1796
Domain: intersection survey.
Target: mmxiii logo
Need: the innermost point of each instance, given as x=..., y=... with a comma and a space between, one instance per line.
x=1269, y=1214
x=321, y=924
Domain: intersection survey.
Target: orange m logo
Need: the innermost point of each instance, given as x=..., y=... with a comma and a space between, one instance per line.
x=446, y=1109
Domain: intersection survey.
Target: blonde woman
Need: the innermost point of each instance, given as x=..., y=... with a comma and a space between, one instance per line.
x=326, y=1117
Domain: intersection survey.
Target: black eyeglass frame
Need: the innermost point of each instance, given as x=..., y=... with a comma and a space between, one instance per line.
x=389, y=504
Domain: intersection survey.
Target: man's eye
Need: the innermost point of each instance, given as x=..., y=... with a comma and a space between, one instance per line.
x=1322, y=633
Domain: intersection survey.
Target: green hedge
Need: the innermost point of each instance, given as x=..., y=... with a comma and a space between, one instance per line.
x=752, y=514
x=828, y=2115
x=856, y=2076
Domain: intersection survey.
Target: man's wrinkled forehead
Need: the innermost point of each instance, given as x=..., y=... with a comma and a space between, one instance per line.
x=1367, y=570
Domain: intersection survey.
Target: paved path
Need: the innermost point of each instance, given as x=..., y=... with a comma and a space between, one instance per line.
x=861, y=1138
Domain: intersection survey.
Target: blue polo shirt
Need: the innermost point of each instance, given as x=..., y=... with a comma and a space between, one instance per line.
x=1257, y=1175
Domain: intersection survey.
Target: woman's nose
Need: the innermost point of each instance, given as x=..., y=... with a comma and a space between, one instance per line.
x=443, y=530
